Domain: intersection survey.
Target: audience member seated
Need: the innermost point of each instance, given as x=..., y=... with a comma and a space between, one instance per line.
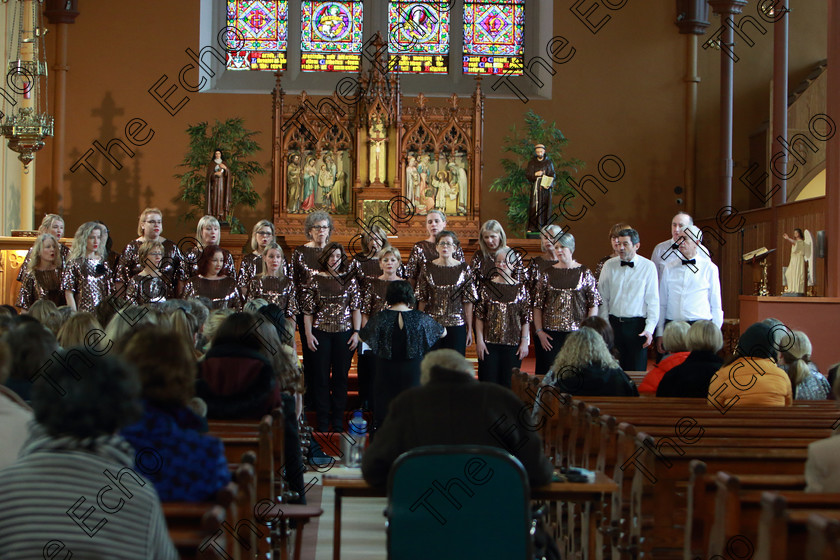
x=691, y=378
x=76, y=328
x=195, y=463
x=585, y=367
x=47, y=314
x=452, y=408
x=822, y=469
x=751, y=377
x=236, y=377
x=807, y=382
x=14, y=413
x=674, y=339
x=602, y=327
x=75, y=467
x=33, y=345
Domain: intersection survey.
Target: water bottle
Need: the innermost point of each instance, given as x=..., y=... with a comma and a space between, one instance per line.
x=354, y=442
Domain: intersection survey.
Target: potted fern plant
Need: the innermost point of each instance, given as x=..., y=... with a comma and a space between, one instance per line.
x=521, y=147
x=238, y=145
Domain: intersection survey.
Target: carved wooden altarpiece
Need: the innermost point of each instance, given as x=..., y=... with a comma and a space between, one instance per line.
x=369, y=155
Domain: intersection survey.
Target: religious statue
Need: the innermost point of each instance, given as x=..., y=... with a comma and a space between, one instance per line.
x=325, y=184
x=795, y=273
x=540, y=174
x=459, y=177
x=219, y=185
x=310, y=185
x=377, y=157
x=295, y=183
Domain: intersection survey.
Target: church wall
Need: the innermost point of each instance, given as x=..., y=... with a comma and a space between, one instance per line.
x=622, y=94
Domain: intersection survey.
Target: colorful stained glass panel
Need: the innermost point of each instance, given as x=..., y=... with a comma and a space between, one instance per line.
x=418, y=37
x=258, y=31
x=494, y=36
x=331, y=36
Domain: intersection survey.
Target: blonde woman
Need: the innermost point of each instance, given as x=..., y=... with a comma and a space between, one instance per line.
x=272, y=285
x=76, y=328
x=148, y=286
x=491, y=239
x=545, y=260
x=207, y=232
x=150, y=228
x=43, y=279
x=86, y=280
x=585, y=367
x=426, y=250
x=261, y=235
x=807, y=382
x=54, y=225
x=373, y=240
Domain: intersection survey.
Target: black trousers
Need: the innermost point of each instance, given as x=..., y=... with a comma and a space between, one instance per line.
x=497, y=364
x=307, y=365
x=632, y=357
x=545, y=358
x=456, y=339
x=329, y=392
x=392, y=378
x=366, y=368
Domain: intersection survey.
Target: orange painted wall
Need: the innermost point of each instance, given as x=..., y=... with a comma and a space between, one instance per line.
x=622, y=94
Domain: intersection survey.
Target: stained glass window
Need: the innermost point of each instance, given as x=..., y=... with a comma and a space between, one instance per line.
x=418, y=37
x=493, y=36
x=257, y=34
x=331, y=36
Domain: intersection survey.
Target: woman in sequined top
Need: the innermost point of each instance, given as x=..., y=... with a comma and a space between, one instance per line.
x=565, y=295
x=272, y=284
x=331, y=327
x=149, y=228
x=212, y=283
x=426, y=250
x=261, y=235
x=86, y=280
x=446, y=290
x=399, y=337
x=43, y=279
x=207, y=232
x=52, y=224
x=502, y=316
x=373, y=301
x=373, y=240
x=543, y=261
x=491, y=239
x=147, y=286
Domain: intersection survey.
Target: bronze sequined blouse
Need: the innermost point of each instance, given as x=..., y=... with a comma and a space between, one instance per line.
x=171, y=267
x=63, y=251
x=445, y=290
x=485, y=267
x=565, y=295
x=142, y=289
x=89, y=280
x=331, y=301
x=503, y=308
x=222, y=293
x=423, y=252
x=191, y=263
x=373, y=296
x=250, y=266
x=277, y=290
x=41, y=284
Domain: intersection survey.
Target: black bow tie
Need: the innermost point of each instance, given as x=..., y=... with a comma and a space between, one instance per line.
x=690, y=261
x=627, y=263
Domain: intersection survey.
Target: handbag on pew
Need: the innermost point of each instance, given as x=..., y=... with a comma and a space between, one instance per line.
x=545, y=547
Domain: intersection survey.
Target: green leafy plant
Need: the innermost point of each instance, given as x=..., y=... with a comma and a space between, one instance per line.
x=521, y=147
x=237, y=145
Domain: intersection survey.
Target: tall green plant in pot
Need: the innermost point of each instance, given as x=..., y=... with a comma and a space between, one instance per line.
x=521, y=148
x=237, y=145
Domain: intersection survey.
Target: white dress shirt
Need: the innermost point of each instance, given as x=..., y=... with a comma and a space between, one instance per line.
x=689, y=292
x=660, y=259
x=630, y=291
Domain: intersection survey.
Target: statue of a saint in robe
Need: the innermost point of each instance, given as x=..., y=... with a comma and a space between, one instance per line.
x=219, y=185
x=540, y=174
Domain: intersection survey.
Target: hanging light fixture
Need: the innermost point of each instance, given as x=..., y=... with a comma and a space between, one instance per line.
x=27, y=121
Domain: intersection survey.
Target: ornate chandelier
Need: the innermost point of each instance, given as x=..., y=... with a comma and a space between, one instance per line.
x=27, y=122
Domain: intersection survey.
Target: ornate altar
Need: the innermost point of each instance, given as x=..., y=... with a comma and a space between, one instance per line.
x=365, y=157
